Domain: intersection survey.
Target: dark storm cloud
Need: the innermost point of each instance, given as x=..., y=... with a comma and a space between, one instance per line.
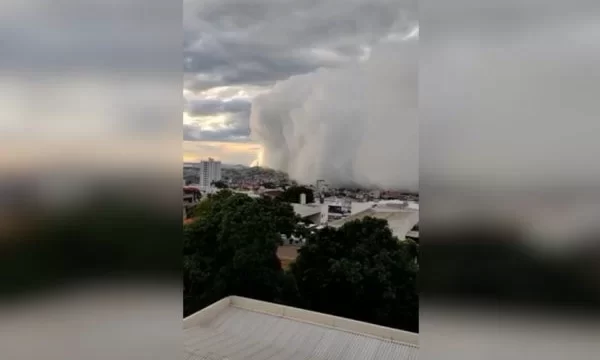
x=356, y=112
x=231, y=42
x=229, y=135
x=203, y=107
x=194, y=133
x=191, y=133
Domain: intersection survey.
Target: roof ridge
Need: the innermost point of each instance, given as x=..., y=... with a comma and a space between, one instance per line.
x=338, y=328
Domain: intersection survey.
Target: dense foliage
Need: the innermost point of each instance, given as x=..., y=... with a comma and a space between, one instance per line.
x=231, y=249
x=359, y=271
x=292, y=194
x=219, y=184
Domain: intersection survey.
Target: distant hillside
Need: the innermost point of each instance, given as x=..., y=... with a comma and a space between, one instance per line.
x=244, y=173
x=233, y=166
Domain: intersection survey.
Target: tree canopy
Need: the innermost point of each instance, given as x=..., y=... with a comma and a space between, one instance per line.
x=219, y=184
x=292, y=194
x=360, y=271
x=231, y=249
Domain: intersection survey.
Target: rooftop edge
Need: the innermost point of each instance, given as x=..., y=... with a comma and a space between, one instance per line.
x=206, y=315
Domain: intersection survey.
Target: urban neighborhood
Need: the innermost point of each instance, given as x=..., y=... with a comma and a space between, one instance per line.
x=265, y=256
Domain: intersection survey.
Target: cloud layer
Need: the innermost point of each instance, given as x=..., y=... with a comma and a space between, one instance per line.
x=354, y=125
x=229, y=42
x=216, y=119
x=232, y=45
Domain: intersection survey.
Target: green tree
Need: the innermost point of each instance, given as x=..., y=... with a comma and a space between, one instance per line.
x=360, y=271
x=231, y=249
x=292, y=194
x=219, y=184
x=207, y=203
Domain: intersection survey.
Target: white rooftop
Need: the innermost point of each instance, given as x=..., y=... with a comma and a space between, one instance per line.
x=251, y=194
x=237, y=328
x=306, y=210
x=400, y=221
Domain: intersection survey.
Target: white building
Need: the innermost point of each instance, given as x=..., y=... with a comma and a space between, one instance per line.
x=322, y=186
x=360, y=206
x=209, y=172
x=401, y=217
x=336, y=208
x=375, y=194
x=309, y=212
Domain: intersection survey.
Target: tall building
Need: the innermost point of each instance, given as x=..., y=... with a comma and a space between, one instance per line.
x=210, y=171
x=321, y=186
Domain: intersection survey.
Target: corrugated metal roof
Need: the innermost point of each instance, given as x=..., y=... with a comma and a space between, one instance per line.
x=236, y=333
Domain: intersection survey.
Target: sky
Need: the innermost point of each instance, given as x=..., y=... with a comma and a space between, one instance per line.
x=491, y=102
x=235, y=51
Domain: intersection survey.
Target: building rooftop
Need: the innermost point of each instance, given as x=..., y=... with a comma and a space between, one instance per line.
x=400, y=221
x=306, y=210
x=250, y=193
x=237, y=328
